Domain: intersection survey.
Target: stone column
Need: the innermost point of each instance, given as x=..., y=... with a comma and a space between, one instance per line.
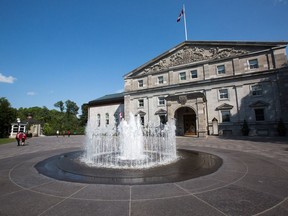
x=202, y=123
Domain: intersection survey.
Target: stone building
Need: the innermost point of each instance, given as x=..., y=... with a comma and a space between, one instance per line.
x=210, y=88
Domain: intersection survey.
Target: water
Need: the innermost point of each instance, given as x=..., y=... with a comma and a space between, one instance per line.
x=130, y=145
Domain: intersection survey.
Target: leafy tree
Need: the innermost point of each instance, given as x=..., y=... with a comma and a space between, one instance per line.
x=71, y=108
x=7, y=116
x=84, y=116
x=60, y=105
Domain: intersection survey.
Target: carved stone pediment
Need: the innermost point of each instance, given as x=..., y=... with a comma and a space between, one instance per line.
x=224, y=107
x=259, y=104
x=189, y=54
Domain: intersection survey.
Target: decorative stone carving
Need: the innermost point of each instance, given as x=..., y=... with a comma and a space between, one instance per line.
x=182, y=99
x=189, y=54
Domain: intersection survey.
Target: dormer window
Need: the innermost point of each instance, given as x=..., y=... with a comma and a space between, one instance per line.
x=140, y=83
x=253, y=63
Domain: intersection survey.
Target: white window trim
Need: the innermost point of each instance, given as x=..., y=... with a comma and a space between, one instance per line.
x=163, y=101
x=219, y=94
x=179, y=76
x=196, y=74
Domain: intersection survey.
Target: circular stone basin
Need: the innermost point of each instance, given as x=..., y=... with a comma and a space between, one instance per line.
x=191, y=164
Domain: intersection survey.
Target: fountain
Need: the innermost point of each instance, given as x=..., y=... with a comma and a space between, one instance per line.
x=129, y=154
x=131, y=146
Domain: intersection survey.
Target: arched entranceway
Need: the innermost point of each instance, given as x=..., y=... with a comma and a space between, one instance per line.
x=185, y=121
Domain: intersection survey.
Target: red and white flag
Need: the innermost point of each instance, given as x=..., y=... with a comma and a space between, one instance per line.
x=180, y=15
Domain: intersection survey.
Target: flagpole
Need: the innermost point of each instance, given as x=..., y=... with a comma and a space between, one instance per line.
x=184, y=13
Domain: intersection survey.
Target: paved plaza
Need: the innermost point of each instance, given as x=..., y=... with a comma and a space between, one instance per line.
x=253, y=180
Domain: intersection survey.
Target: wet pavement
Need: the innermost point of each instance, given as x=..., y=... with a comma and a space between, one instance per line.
x=253, y=180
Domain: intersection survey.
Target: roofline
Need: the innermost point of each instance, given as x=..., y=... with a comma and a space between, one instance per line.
x=214, y=43
x=119, y=98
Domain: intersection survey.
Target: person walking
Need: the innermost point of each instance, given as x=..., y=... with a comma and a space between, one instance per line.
x=18, y=138
x=22, y=137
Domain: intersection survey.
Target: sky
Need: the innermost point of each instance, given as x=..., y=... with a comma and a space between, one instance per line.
x=79, y=50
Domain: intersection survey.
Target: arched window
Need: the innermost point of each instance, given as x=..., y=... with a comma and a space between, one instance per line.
x=98, y=120
x=107, y=118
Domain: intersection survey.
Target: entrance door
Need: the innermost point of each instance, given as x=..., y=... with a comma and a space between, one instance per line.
x=189, y=121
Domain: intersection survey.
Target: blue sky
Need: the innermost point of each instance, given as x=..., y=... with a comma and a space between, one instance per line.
x=53, y=50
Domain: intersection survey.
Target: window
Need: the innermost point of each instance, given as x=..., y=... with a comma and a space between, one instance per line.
x=256, y=90
x=253, y=63
x=194, y=74
x=140, y=103
x=107, y=118
x=140, y=83
x=221, y=69
x=259, y=114
x=223, y=94
x=98, y=120
x=142, y=120
x=182, y=76
x=161, y=101
x=225, y=115
x=162, y=119
x=160, y=79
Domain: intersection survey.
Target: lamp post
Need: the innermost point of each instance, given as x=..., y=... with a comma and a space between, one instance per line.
x=18, y=121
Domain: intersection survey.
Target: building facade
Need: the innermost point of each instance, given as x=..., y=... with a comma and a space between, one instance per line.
x=212, y=87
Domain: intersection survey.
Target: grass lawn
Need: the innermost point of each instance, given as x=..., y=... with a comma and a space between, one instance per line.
x=6, y=140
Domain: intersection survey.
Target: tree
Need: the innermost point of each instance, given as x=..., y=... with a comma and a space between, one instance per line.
x=71, y=108
x=84, y=116
x=7, y=116
x=60, y=105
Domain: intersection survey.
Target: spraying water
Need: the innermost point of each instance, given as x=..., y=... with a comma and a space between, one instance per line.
x=130, y=145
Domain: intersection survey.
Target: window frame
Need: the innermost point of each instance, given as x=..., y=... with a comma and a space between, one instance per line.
x=140, y=103
x=107, y=119
x=182, y=78
x=257, y=92
x=221, y=94
x=162, y=79
x=140, y=83
x=191, y=73
x=161, y=99
x=224, y=117
x=220, y=72
x=254, y=65
x=98, y=120
x=261, y=115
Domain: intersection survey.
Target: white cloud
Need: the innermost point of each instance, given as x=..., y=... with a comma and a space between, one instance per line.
x=6, y=79
x=31, y=93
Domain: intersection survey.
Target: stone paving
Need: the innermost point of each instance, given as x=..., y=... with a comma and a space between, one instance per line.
x=253, y=180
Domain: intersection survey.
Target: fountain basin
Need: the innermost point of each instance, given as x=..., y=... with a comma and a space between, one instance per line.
x=190, y=164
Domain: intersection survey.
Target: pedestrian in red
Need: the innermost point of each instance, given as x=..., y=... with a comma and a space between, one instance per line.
x=22, y=137
x=18, y=138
